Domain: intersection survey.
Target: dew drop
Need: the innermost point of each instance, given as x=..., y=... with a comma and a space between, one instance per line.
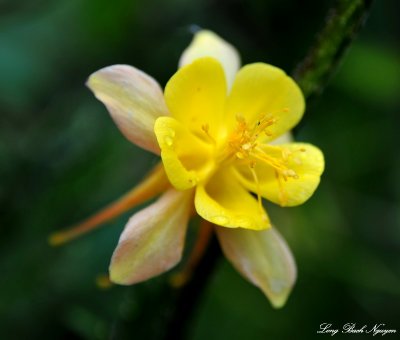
x=239, y=155
x=170, y=132
x=168, y=140
x=220, y=220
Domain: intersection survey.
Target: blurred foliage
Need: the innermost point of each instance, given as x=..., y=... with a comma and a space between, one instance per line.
x=61, y=158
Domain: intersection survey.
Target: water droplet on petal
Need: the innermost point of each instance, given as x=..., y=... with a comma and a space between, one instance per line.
x=221, y=220
x=168, y=140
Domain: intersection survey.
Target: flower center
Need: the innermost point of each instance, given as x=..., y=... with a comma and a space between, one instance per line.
x=244, y=146
x=243, y=140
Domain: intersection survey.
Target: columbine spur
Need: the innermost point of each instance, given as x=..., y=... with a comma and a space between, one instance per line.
x=223, y=137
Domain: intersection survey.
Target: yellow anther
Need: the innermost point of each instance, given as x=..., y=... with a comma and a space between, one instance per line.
x=240, y=155
x=290, y=173
x=247, y=146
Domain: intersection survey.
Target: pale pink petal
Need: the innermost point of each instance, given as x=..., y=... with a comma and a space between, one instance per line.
x=263, y=258
x=134, y=100
x=152, y=241
x=207, y=44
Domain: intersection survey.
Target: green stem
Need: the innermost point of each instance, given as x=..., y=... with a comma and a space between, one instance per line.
x=343, y=22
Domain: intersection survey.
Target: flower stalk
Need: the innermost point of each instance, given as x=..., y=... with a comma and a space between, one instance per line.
x=343, y=21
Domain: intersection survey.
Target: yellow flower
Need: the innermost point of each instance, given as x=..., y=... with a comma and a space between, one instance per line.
x=222, y=134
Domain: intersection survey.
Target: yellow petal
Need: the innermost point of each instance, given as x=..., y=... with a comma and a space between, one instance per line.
x=263, y=258
x=195, y=96
x=307, y=162
x=225, y=202
x=261, y=91
x=207, y=44
x=186, y=158
x=134, y=101
x=152, y=241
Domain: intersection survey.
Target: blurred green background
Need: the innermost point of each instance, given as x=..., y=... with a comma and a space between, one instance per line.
x=62, y=158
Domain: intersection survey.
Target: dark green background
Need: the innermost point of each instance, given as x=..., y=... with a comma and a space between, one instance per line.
x=61, y=158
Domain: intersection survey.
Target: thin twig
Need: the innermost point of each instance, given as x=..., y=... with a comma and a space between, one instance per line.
x=342, y=24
